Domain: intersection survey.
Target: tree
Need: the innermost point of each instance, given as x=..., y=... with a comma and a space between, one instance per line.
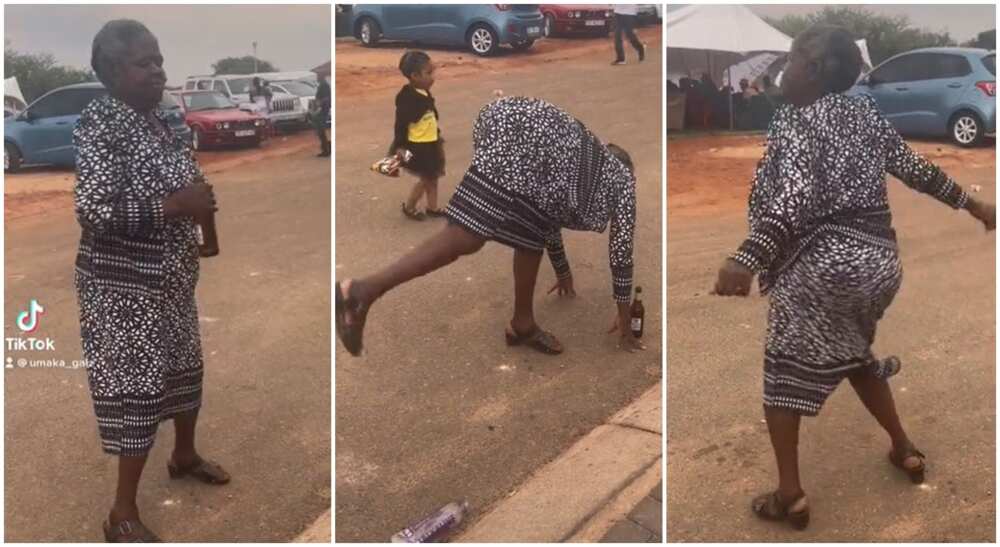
x=242, y=65
x=38, y=73
x=985, y=40
x=886, y=35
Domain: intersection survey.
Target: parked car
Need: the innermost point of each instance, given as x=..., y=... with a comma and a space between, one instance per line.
x=306, y=94
x=286, y=109
x=567, y=19
x=43, y=133
x=937, y=92
x=215, y=120
x=648, y=13
x=482, y=28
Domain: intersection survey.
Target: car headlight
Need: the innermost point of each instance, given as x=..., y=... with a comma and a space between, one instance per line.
x=259, y=123
x=225, y=125
x=218, y=126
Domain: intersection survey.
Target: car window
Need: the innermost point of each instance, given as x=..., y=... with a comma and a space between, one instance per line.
x=204, y=85
x=220, y=86
x=990, y=62
x=240, y=86
x=188, y=85
x=944, y=65
x=206, y=101
x=299, y=89
x=80, y=98
x=907, y=68
x=65, y=102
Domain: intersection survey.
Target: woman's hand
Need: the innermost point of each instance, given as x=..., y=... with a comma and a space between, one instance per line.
x=983, y=212
x=565, y=287
x=196, y=200
x=734, y=279
x=626, y=341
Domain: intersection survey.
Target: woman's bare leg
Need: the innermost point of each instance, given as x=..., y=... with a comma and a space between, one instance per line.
x=526, y=265
x=783, y=425
x=438, y=251
x=431, y=191
x=877, y=397
x=415, y=194
x=129, y=472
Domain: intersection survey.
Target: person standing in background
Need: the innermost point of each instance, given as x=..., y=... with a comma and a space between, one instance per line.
x=323, y=114
x=625, y=18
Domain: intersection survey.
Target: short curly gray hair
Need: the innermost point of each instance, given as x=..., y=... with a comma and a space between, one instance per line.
x=839, y=58
x=111, y=45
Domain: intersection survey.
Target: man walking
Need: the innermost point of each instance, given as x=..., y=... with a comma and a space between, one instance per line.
x=625, y=18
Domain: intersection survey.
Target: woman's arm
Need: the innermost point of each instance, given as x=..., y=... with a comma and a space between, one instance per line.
x=557, y=255
x=99, y=193
x=620, y=244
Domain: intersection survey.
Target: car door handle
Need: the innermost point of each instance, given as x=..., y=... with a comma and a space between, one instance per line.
x=902, y=89
x=955, y=85
x=62, y=123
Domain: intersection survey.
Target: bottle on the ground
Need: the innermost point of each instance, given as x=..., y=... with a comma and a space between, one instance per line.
x=638, y=314
x=435, y=526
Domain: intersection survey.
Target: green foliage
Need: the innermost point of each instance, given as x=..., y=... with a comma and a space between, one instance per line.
x=886, y=35
x=38, y=73
x=242, y=65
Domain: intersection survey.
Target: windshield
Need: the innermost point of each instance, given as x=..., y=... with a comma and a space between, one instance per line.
x=195, y=102
x=240, y=85
x=168, y=102
x=299, y=89
x=991, y=64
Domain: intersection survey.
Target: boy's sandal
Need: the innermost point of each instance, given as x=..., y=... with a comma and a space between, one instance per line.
x=350, y=334
x=916, y=474
x=771, y=507
x=412, y=214
x=537, y=339
x=129, y=531
x=206, y=471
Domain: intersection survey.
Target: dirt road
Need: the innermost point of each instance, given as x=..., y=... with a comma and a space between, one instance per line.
x=942, y=325
x=265, y=304
x=439, y=408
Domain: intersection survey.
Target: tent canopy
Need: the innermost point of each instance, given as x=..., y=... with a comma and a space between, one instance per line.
x=13, y=91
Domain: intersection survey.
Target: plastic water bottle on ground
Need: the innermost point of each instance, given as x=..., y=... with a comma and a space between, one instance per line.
x=435, y=526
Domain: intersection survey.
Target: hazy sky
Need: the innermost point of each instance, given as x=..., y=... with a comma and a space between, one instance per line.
x=292, y=37
x=963, y=22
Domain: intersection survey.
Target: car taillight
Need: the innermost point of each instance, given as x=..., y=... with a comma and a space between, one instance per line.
x=989, y=88
x=503, y=7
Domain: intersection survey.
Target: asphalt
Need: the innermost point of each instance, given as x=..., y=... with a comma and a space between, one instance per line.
x=942, y=325
x=439, y=409
x=265, y=318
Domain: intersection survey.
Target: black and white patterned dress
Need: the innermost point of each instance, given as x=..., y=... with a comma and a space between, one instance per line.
x=537, y=169
x=135, y=274
x=821, y=239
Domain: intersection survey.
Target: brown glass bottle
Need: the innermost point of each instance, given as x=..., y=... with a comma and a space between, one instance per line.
x=208, y=239
x=638, y=314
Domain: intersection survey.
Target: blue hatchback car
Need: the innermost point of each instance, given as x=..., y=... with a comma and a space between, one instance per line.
x=43, y=133
x=937, y=92
x=482, y=28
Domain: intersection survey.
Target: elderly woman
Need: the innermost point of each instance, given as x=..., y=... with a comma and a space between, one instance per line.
x=822, y=242
x=535, y=170
x=136, y=198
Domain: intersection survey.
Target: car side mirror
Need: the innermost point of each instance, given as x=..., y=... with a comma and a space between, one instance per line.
x=26, y=116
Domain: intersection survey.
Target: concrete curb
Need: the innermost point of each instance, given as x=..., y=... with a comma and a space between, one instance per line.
x=579, y=495
x=317, y=532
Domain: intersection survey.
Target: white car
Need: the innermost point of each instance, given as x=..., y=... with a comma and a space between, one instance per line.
x=305, y=92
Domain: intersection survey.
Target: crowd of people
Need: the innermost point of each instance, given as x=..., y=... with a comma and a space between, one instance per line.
x=707, y=105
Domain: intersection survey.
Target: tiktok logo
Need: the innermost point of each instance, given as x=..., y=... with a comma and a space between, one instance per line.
x=27, y=321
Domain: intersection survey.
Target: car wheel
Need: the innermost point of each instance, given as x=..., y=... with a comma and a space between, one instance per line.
x=966, y=129
x=523, y=46
x=369, y=32
x=550, y=25
x=196, y=139
x=11, y=158
x=483, y=41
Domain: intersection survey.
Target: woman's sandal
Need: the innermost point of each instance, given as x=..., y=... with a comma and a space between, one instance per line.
x=916, y=474
x=435, y=213
x=537, y=339
x=129, y=531
x=350, y=334
x=206, y=471
x=412, y=214
x=771, y=507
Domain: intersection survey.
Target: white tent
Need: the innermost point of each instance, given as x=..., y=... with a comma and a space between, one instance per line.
x=708, y=39
x=751, y=69
x=12, y=95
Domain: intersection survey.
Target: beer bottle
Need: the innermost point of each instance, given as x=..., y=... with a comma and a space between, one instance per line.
x=638, y=314
x=208, y=239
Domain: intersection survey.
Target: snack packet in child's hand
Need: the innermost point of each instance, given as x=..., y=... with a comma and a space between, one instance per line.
x=389, y=166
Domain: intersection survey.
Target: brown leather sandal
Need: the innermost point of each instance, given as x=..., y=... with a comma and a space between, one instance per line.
x=203, y=470
x=129, y=531
x=412, y=214
x=537, y=339
x=916, y=474
x=771, y=507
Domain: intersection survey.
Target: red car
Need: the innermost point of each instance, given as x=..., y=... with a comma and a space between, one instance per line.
x=565, y=19
x=217, y=121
